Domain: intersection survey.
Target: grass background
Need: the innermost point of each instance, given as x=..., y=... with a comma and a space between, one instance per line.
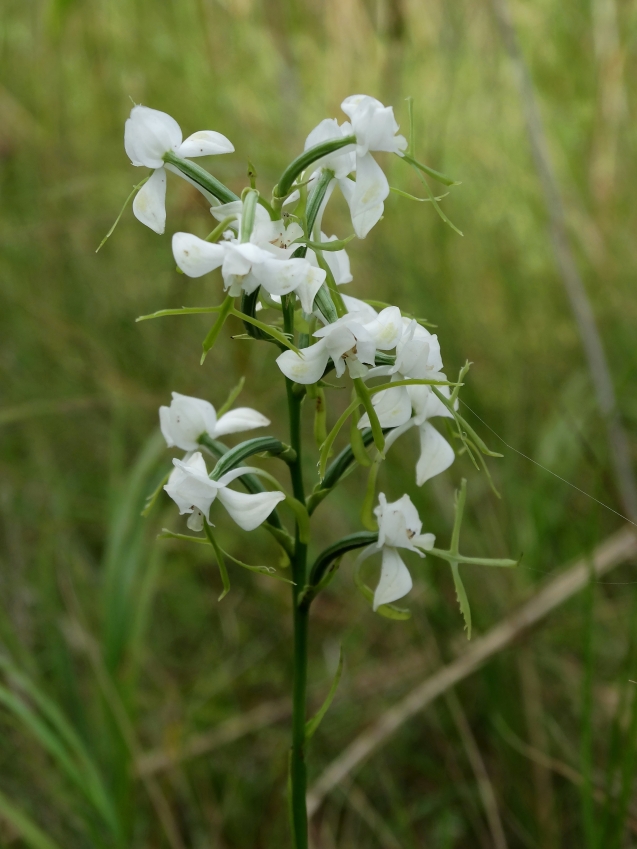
x=124, y=633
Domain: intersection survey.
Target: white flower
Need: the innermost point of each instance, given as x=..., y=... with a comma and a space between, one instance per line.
x=193, y=492
x=352, y=340
x=399, y=526
x=404, y=407
x=148, y=135
x=188, y=418
x=266, y=260
x=374, y=128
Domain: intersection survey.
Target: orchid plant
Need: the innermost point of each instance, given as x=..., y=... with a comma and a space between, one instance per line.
x=282, y=277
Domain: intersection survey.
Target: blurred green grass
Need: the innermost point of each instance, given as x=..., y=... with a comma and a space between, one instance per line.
x=82, y=384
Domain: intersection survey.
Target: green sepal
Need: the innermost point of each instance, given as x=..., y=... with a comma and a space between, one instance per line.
x=312, y=724
x=221, y=563
x=202, y=177
x=258, y=445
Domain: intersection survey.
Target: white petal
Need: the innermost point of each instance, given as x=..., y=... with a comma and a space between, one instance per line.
x=148, y=135
x=398, y=522
x=243, y=418
x=426, y=405
x=424, y=541
x=341, y=161
x=352, y=103
x=195, y=520
x=189, y=485
x=395, y=580
x=249, y=510
x=308, y=290
x=306, y=369
x=195, y=256
x=393, y=408
x=387, y=328
x=225, y=210
x=280, y=277
x=338, y=262
x=186, y=420
x=366, y=197
x=149, y=205
x=355, y=305
x=436, y=454
x=205, y=143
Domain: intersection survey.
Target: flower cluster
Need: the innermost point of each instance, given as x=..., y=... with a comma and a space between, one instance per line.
x=184, y=424
x=274, y=256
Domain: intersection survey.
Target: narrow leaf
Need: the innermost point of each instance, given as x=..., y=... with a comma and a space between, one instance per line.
x=267, y=328
x=333, y=245
x=126, y=202
x=461, y=595
x=32, y=835
x=180, y=311
x=166, y=534
x=215, y=330
x=152, y=498
x=232, y=397
x=312, y=724
x=327, y=445
x=221, y=563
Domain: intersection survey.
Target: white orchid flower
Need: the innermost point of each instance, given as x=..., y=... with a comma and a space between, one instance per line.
x=193, y=492
x=338, y=261
x=187, y=419
x=265, y=260
x=375, y=129
x=404, y=407
x=350, y=341
x=148, y=135
x=399, y=526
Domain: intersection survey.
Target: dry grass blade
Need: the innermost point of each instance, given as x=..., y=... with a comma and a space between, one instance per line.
x=575, y=290
x=616, y=549
x=227, y=732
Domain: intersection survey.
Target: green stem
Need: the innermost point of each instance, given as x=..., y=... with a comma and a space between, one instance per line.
x=298, y=768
